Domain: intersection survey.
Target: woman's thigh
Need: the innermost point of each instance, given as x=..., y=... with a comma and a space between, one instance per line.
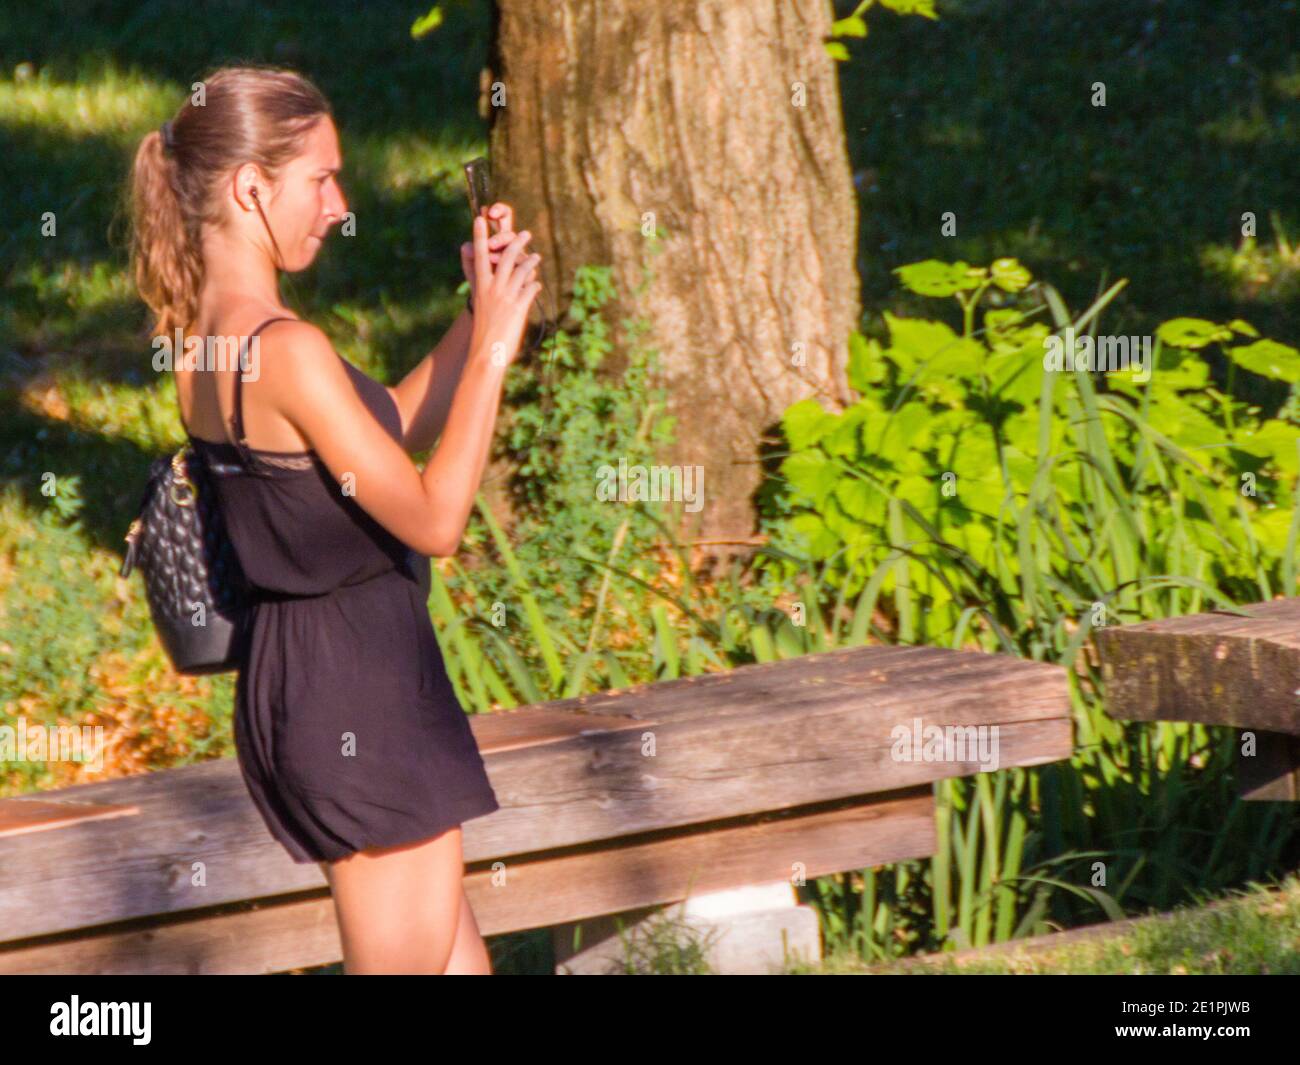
x=399, y=908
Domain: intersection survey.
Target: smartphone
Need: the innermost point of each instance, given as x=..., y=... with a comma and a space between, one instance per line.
x=478, y=176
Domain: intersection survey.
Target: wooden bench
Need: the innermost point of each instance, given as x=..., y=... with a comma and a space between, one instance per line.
x=610, y=802
x=1239, y=669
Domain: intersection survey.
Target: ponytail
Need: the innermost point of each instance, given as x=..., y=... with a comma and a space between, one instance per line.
x=166, y=264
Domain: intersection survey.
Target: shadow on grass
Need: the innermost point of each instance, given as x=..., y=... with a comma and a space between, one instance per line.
x=112, y=470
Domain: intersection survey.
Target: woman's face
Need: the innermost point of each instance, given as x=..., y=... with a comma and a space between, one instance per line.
x=307, y=201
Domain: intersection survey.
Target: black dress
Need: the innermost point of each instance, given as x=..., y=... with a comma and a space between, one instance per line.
x=347, y=728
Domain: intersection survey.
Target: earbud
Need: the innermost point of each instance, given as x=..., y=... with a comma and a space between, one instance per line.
x=253, y=192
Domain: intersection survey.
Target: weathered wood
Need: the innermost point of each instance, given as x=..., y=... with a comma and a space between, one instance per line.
x=27, y=814
x=1272, y=773
x=534, y=891
x=761, y=738
x=586, y=777
x=1216, y=668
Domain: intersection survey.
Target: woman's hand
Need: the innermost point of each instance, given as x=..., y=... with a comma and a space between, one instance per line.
x=504, y=215
x=503, y=293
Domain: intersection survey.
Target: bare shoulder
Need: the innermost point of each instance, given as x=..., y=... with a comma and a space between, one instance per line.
x=306, y=379
x=293, y=351
x=293, y=337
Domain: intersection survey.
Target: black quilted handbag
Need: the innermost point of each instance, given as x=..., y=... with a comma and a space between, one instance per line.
x=198, y=594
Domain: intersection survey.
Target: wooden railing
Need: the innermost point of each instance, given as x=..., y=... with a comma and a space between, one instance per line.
x=610, y=802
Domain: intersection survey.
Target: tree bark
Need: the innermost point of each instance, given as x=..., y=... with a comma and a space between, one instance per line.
x=716, y=123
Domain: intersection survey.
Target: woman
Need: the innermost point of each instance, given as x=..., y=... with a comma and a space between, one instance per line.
x=350, y=739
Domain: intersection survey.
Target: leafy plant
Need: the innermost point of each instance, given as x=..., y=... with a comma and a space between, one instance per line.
x=854, y=25
x=1017, y=489
x=978, y=496
x=567, y=424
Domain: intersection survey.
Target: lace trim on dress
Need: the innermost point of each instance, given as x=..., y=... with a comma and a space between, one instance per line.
x=286, y=462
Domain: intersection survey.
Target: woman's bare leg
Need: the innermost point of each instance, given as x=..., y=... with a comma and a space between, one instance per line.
x=469, y=954
x=400, y=908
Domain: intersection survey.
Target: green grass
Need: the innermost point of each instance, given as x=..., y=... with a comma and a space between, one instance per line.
x=1253, y=931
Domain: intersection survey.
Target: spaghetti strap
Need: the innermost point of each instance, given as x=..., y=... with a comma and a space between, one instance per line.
x=237, y=417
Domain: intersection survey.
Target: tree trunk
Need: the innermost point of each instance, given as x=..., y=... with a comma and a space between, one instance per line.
x=716, y=123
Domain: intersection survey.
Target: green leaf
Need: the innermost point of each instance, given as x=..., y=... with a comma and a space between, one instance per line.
x=1179, y=369
x=855, y=496
x=935, y=278
x=812, y=474
x=849, y=27
x=915, y=340
x=866, y=367
x=911, y=7
x=426, y=24
x=837, y=51
x=1269, y=359
x=1273, y=440
x=1018, y=375
x=1192, y=332
x=1273, y=528
x=1185, y=425
x=805, y=423
x=843, y=440
x=1245, y=328
x=1009, y=275
x=921, y=492
x=813, y=532
x=908, y=429
x=975, y=456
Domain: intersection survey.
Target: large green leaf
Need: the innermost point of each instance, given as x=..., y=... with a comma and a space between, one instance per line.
x=844, y=440
x=819, y=541
x=915, y=340
x=866, y=364
x=858, y=498
x=805, y=423
x=1192, y=332
x=1273, y=440
x=1009, y=275
x=812, y=474
x=906, y=429
x=1272, y=527
x=1269, y=359
x=935, y=278
x=1017, y=375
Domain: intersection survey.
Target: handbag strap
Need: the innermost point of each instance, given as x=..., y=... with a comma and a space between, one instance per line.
x=237, y=418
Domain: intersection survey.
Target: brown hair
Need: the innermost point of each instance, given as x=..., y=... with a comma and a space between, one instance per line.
x=245, y=114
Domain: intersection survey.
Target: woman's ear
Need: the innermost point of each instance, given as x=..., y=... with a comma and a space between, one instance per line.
x=250, y=186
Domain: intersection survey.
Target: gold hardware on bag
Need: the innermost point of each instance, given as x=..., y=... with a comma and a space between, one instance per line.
x=182, y=475
x=133, y=531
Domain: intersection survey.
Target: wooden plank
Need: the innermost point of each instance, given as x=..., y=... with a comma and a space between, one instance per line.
x=1216, y=668
x=1272, y=774
x=25, y=814
x=529, y=726
x=541, y=890
x=904, y=673
x=856, y=834
x=828, y=738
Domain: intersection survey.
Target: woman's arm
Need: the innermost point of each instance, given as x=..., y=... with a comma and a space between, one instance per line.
x=425, y=509
x=424, y=395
